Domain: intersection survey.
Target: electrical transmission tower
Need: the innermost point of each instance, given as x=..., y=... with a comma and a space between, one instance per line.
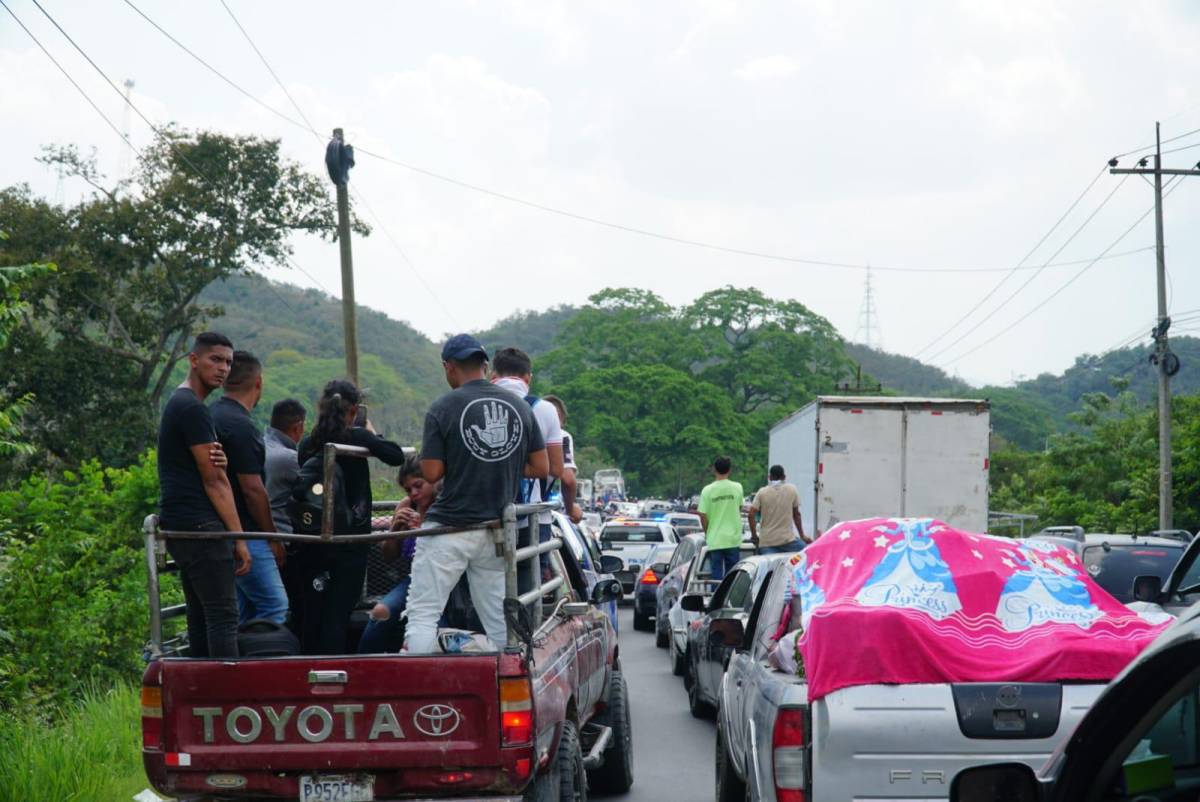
x=867, y=332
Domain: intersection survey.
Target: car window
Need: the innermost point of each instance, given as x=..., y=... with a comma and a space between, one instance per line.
x=1191, y=577
x=722, y=591
x=771, y=612
x=1165, y=759
x=631, y=534
x=683, y=553
x=738, y=596
x=1115, y=568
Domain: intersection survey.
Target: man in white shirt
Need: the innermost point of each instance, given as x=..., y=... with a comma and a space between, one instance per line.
x=512, y=370
x=570, y=488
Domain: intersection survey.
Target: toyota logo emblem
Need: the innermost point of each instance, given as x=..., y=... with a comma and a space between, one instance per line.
x=436, y=720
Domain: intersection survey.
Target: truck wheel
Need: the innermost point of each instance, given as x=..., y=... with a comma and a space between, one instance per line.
x=615, y=775
x=641, y=621
x=729, y=787
x=572, y=778
x=699, y=707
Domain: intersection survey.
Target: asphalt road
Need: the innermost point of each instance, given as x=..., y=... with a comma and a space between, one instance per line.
x=673, y=752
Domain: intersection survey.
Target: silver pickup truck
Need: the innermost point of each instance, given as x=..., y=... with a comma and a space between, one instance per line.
x=876, y=742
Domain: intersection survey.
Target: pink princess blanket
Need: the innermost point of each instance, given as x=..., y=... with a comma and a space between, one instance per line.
x=915, y=601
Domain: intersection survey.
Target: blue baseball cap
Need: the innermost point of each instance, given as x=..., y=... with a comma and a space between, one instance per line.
x=462, y=346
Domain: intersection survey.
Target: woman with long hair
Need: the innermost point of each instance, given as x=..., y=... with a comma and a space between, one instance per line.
x=332, y=575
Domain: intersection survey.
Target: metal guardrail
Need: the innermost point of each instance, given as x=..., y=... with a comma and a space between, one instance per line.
x=504, y=536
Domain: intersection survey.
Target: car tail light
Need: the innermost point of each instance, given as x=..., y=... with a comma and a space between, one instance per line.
x=516, y=712
x=787, y=742
x=649, y=578
x=152, y=716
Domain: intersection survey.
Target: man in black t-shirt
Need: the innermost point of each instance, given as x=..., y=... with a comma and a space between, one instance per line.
x=260, y=593
x=195, y=497
x=479, y=440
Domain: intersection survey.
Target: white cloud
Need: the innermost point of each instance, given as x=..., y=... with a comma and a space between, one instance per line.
x=767, y=68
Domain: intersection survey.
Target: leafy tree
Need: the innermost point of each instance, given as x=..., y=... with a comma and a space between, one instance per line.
x=103, y=337
x=764, y=352
x=13, y=409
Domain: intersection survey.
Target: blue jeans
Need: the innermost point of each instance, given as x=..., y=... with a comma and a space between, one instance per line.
x=260, y=593
x=723, y=560
x=387, y=635
x=786, y=548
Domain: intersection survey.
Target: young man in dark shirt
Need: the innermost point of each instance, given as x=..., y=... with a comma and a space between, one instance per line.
x=196, y=497
x=260, y=592
x=479, y=440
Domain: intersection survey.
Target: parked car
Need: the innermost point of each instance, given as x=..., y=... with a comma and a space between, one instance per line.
x=1138, y=741
x=685, y=523
x=706, y=655
x=591, y=560
x=690, y=574
x=1180, y=590
x=1115, y=561
x=645, y=589
x=632, y=541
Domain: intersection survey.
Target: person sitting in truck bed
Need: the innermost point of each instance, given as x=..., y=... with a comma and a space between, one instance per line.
x=333, y=574
x=385, y=631
x=481, y=440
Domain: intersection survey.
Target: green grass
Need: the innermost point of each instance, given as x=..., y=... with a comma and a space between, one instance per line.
x=90, y=753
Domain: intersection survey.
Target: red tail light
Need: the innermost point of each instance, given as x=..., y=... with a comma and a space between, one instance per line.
x=649, y=578
x=152, y=717
x=787, y=742
x=516, y=712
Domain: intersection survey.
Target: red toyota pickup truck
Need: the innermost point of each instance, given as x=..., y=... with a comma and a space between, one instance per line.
x=542, y=719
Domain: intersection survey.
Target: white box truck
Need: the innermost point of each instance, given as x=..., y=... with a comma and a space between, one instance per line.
x=860, y=457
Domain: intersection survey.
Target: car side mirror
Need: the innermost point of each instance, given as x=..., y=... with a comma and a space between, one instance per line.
x=693, y=603
x=729, y=632
x=660, y=568
x=607, y=590
x=610, y=564
x=1147, y=588
x=1012, y=782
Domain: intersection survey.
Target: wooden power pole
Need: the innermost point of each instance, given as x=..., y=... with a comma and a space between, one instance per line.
x=1165, y=361
x=339, y=158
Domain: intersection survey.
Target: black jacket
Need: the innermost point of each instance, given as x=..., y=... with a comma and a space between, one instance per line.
x=356, y=470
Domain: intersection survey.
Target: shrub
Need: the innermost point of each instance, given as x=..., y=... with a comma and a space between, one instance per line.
x=73, y=582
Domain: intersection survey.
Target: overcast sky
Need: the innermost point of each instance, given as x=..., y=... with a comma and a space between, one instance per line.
x=916, y=134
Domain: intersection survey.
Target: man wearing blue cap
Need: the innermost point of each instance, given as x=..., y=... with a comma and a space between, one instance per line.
x=479, y=441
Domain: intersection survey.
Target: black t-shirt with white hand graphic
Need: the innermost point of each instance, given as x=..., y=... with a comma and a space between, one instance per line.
x=483, y=434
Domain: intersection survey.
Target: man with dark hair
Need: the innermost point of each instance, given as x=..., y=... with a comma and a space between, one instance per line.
x=512, y=370
x=288, y=418
x=260, y=592
x=195, y=496
x=720, y=513
x=779, y=505
x=479, y=441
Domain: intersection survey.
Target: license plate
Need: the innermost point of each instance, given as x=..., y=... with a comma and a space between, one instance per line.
x=337, y=788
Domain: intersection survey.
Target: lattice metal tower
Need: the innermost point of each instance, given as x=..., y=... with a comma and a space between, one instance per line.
x=868, y=333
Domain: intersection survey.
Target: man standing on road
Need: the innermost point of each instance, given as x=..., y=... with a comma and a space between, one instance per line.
x=779, y=505
x=260, y=592
x=195, y=497
x=479, y=441
x=720, y=513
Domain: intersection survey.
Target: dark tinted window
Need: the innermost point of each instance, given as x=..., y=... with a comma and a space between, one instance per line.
x=1115, y=569
x=631, y=534
x=739, y=591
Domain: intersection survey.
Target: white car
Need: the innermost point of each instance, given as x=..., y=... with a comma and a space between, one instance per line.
x=632, y=542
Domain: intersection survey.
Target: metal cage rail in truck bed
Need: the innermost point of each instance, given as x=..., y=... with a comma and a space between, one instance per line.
x=545, y=713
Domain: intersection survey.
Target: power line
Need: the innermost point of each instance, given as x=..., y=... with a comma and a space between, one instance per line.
x=1031, y=279
x=1018, y=266
x=1153, y=145
x=1052, y=295
x=357, y=194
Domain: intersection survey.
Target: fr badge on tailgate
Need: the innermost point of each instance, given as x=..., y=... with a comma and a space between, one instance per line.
x=337, y=788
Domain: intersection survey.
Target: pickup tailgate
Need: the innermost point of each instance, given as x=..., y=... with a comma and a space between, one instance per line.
x=404, y=722
x=893, y=742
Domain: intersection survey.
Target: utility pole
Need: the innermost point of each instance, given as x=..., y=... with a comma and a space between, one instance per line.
x=1165, y=361
x=339, y=158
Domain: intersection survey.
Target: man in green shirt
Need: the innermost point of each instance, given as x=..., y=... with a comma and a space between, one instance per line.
x=721, y=514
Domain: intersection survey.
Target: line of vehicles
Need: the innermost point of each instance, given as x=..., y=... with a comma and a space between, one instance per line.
x=962, y=741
